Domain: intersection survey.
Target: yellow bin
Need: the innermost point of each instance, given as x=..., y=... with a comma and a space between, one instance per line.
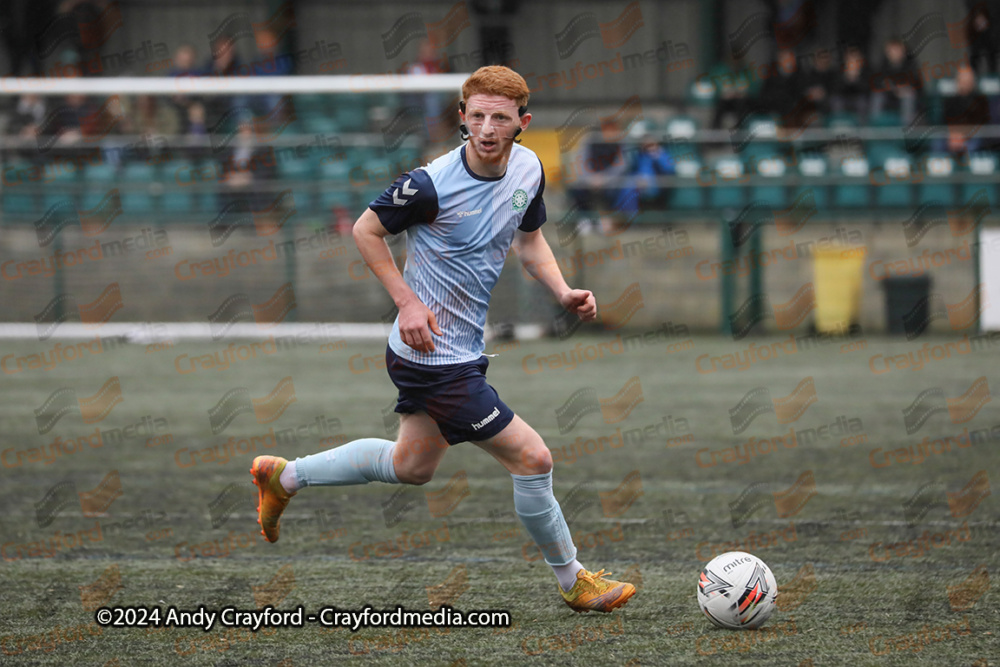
x=838, y=272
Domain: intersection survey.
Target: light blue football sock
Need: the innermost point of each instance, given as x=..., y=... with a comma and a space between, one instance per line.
x=357, y=462
x=542, y=517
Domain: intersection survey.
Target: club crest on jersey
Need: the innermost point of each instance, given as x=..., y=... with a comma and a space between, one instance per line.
x=520, y=199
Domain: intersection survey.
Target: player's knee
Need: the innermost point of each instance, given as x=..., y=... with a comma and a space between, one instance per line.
x=537, y=460
x=415, y=476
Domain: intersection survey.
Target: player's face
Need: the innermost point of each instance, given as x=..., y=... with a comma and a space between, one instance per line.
x=492, y=121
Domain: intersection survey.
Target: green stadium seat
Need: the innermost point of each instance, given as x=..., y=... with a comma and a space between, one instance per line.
x=321, y=125
x=932, y=191
x=178, y=195
x=61, y=183
x=842, y=121
x=351, y=116
x=688, y=194
x=19, y=198
x=300, y=176
x=982, y=165
x=702, y=92
x=727, y=192
x=894, y=183
x=772, y=195
x=139, y=178
x=762, y=140
x=814, y=167
x=680, y=131
x=852, y=191
x=989, y=85
x=335, y=185
x=99, y=179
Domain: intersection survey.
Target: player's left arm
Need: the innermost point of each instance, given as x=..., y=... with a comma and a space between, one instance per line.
x=535, y=254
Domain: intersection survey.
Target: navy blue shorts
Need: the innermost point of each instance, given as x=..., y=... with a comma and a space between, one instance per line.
x=456, y=396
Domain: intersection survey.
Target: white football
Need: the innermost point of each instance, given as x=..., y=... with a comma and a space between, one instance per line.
x=737, y=591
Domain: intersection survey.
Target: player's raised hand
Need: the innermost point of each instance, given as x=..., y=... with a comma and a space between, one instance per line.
x=581, y=302
x=416, y=322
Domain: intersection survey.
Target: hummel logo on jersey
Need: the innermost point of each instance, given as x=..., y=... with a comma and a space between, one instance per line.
x=463, y=214
x=487, y=419
x=407, y=191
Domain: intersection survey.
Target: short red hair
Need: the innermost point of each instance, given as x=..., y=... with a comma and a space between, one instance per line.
x=497, y=80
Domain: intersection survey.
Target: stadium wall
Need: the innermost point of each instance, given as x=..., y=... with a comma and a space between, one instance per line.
x=181, y=276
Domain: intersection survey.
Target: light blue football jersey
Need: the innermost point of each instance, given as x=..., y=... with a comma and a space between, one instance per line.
x=459, y=228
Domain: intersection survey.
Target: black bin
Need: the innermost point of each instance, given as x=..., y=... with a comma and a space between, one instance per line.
x=907, y=304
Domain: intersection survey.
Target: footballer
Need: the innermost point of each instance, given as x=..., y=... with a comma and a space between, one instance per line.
x=461, y=213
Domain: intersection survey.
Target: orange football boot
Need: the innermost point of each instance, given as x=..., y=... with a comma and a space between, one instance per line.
x=271, y=495
x=593, y=592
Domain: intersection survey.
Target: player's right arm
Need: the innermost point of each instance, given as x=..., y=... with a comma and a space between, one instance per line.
x=416, y=320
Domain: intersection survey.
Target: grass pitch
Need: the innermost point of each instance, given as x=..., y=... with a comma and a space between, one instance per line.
x=861, y=492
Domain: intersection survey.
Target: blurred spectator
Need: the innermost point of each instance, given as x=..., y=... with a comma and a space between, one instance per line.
x=982, y=41
x=852, y=87
x=782, y=93
x=185, y=58
x=735, y=86
x=247, y=169
x=223, y=61
x=964, y=113
x=643, y=191
x=27, y=122
x=269, y=63
x=23, y=22
x=432, y=104
x=599, y=161
x=147, y=114
x=897, y=85
x=820, y=81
